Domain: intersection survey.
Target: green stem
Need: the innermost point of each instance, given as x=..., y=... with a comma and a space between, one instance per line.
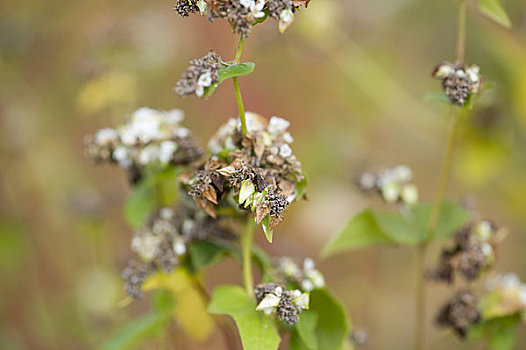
x=237, y=90
x=246, y=251
x=439, y=199
x=461, y=40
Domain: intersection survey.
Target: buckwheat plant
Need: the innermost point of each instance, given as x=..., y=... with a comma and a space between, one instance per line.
x=487, y=306
x=190, y=208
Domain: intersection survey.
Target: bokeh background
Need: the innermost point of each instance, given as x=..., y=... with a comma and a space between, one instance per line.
x=351, y=75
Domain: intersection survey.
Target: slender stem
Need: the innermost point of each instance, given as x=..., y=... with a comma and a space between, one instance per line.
x=237, y=91
x=439, y=199
x=246, y=250
x=461, y=40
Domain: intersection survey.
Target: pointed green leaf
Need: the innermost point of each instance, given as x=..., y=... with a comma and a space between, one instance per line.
x=257, y=331
x=361, y=231
x=230, y=71
x=204, y=253
x=306, y=328
x=495, y=11
x=265, y=224
x=247, y=189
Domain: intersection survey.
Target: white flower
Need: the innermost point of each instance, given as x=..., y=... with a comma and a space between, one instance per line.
x=179, y=247
x=166, y=213
x=460, y=73
x=277, y=125
x=199, y=90
x=166, y=151
x=203, y=7
x=287, y=137
x=145, y=246
x=391, y=192
x=522, y=294
x=307, y=285
x=257, y=8
x=409, y=194
x=278, y=291
x=106, y=136
x=302, y=301
x=445, y=70
x=289, y=268
x=246, y=3
x=269, y=303
x=188, y=227
x=308, y=264
x=174, y=116
x=483, y=230
x=205, y=79
x=122, y=156
x=182, y=133
x=403, y=173
x=316, y=279
x=285, y=151
x=286, y=17
x=149, y=154
x=145, y=125
x=473, y=73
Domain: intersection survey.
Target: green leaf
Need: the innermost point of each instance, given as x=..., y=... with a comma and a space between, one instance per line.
x=231, y=71
x=452, y=218
x=301, y=187
x=141, y=202
x=257, y=331
x=203, y=253
x=494, y=10
x=500, y=332
x=361, y=231
x=332, y=326
x=147, y=326
x=410, y=227
x=159, y=187
x=306, y=328
x=265, y=224
x=296, y=343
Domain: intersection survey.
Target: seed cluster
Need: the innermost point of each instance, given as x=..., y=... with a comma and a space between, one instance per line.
x=259, y=169
x=243, y=14
x=472, y=254
x=307, y=278
x=393, y=184
x=287, y=305
x=200, y=75
x=163, y=242
x=459, y=81
x=460, y=312
x=149, y=139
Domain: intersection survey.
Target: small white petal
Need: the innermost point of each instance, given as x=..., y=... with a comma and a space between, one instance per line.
x=308, y=264
x=277, y=125
x=285, y=151
x=269, y=301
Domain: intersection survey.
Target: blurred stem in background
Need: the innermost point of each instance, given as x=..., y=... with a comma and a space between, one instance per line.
x=420, y=332
x=237, y=91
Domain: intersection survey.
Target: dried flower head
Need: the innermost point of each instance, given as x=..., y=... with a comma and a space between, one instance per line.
x=460, y=82
x=393, y=184
x=259, y=169
x=460, y=312
x=201, y=74
x=243, y=14
x=163, y=242
x=287, y=305
x=149, y=139
x=472, y=254
x=134, y=275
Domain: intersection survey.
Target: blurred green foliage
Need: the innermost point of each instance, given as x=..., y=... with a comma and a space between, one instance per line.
x=354, y=87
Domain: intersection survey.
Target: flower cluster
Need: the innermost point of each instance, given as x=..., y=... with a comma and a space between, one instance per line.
x=460, y=312
x=505, y=295
x=472, y=254
x=200, y=75
x=459, y=81
x=163, y=242
x=259, y=169
x=287, y=305
x=393, y=184
x=243, y=14
x=149, y=139
x=307, y=279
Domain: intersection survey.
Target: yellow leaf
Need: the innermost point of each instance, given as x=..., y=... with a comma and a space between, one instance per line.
x=190, y=306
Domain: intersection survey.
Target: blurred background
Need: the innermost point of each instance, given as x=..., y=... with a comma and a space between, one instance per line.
x=352, y=76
